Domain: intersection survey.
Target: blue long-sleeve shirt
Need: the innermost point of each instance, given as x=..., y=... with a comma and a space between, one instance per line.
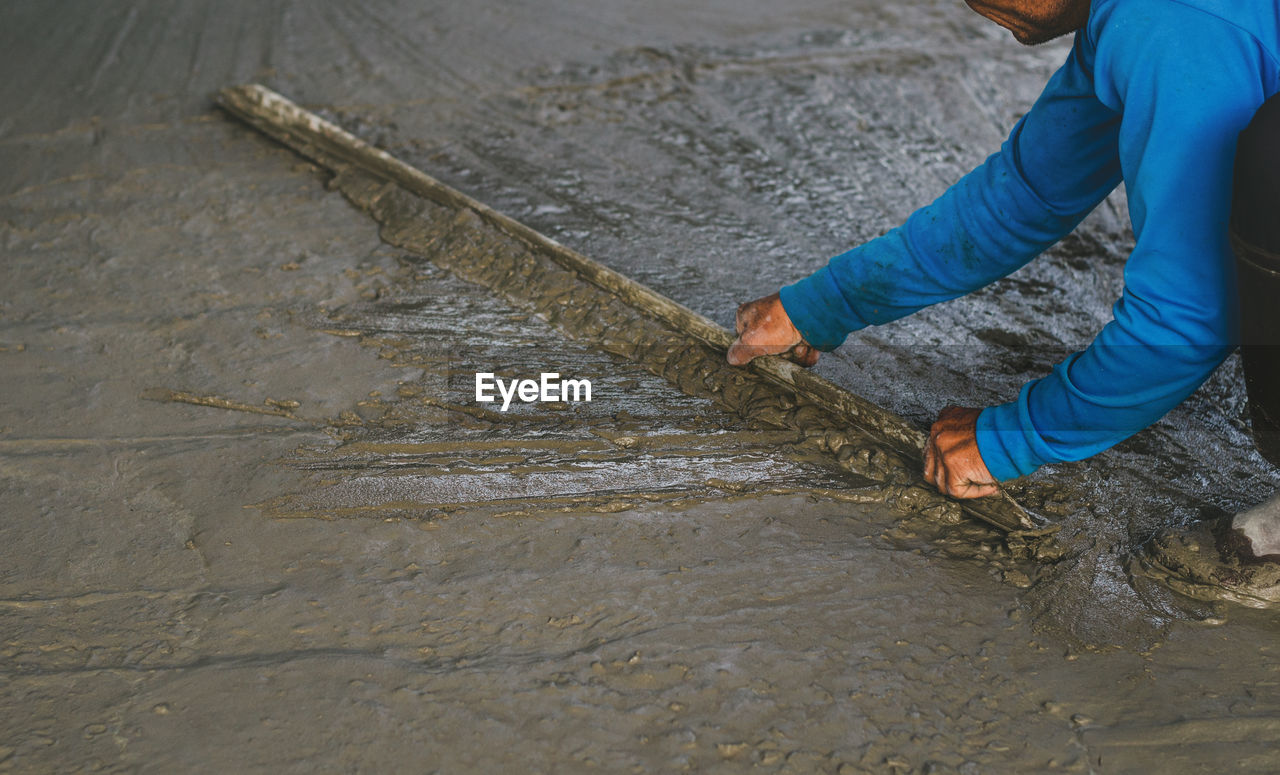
x=1153, y=93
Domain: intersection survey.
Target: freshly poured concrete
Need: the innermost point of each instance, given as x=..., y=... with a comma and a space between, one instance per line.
x=387, y=576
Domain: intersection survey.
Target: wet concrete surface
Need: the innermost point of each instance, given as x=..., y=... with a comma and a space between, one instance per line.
x=254, y=518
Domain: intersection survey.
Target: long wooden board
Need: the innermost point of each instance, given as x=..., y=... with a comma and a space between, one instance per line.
x=327, y=143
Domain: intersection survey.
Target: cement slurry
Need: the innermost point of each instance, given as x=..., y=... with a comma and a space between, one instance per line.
x=227, y=402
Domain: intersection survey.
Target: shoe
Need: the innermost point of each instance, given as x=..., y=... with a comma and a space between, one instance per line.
x=1209, y=560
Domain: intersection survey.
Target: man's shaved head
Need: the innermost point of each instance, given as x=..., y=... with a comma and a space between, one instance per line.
x=1034, y=21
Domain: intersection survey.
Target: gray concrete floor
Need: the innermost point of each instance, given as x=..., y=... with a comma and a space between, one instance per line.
x=162, y=609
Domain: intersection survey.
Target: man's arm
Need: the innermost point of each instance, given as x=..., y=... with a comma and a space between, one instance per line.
x=1057, y=164
x=1187, y=82
x=1059, y=161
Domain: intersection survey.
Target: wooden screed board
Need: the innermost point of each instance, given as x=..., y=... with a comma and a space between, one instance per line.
x=336, y=149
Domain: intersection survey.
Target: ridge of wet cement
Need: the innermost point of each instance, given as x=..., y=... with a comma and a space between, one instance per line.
x=342, y=152
x=473, y=249
x=476, y=251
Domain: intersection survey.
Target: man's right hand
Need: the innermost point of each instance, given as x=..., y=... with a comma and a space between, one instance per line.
x=764, y=329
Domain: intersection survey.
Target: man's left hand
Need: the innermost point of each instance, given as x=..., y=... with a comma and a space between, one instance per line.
x=951, y=458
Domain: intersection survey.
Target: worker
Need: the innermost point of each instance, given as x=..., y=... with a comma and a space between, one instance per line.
x=1154, y=94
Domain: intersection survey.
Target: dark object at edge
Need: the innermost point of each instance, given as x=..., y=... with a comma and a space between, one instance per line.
x=1255, y=237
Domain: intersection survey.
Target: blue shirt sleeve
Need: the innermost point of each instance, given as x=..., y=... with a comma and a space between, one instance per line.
x=1059, y=161
x=1186, y=83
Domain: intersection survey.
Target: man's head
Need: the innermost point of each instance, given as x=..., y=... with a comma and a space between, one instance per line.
x=1034, y=21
